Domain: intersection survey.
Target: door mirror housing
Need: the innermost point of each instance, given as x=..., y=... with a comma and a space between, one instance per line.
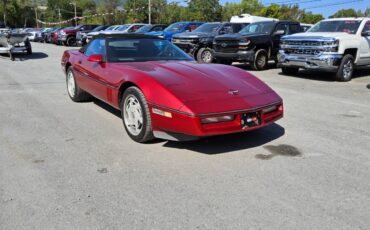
x=98, y=58
x=365, y=34
x=279, y=33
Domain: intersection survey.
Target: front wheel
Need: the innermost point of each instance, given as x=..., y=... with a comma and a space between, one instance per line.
x=345, y=71
x=136, y=115
x=75, y=92
x=205, y=55
x=260, y=60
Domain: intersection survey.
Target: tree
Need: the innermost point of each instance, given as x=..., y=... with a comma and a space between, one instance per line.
x=205, y=10
x=344, y=13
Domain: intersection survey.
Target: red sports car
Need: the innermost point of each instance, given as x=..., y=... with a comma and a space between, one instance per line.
x=164, y=93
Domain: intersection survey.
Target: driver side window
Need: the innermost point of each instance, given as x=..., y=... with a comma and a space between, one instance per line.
x=283, y=27
x=97, y=46
x=366, y=27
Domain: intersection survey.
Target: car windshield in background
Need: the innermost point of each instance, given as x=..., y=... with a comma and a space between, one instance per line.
x=176, y=27
x=110, y=28
x=122, y=28
x=99, y=28
x=136, y=50
x=144, y=29
x=258, y=27
x=208, y=28
x=346, y=26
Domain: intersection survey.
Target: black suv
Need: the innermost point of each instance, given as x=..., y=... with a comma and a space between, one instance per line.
x=257, y=43
x=199, y=43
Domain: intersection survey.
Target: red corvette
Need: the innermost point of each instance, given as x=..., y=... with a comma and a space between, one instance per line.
x=163, y=93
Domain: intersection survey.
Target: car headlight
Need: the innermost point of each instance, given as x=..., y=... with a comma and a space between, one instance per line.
x=205, y=40
x=217, y=119
x=244, y=42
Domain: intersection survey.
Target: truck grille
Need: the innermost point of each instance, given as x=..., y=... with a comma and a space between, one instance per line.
x=227, y=46
x=308, y=47
x=185, y=40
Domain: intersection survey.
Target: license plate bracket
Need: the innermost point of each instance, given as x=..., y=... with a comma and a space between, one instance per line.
x=250, y=120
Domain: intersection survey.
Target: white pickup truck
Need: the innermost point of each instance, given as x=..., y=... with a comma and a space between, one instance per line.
x=337, y=45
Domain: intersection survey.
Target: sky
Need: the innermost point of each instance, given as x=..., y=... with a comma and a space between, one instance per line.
x=310, y=5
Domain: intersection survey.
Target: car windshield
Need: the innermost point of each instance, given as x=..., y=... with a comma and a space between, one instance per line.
x=111, y=28
x=144, y=29
x=143, y=49
x=124, y=27
x=176, y=27
x=258, y=27
x=99, y=28
x=346, y=26
x=208, y=28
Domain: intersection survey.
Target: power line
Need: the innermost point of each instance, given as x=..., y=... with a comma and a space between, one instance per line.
x=333, y=4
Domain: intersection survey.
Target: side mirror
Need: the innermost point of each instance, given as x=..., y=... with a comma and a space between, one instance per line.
x=365, y=34
x=98, y=58
x=279, y=32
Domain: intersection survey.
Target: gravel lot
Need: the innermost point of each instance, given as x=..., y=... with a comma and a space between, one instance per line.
x=66, y=165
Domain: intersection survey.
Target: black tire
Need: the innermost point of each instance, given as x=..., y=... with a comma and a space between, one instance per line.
x=28, y=47
x=76, y=95
x=346, y=68
x=205, y=55
x=71, y=41
x=145, y=134
x=289, y=70
x=260, y=60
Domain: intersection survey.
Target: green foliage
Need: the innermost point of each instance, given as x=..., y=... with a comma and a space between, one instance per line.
x=344, y=13
x=20, y=13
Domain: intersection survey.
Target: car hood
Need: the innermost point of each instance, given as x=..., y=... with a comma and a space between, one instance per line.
x=320, y=35
x=238, y=36
x=205, y=88
x=193, y=35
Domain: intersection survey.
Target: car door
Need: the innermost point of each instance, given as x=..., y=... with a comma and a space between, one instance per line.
x=276, y=37
x=92, y=74
x=365, y=46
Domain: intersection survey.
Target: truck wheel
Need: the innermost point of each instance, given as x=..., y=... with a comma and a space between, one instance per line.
x=289, y=70
x=28, y=47
x=71, y=41
x=260, y=60
x=205, y=55
x=345, y=71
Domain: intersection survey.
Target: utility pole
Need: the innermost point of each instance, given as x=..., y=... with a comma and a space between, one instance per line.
x=75, y=5
x=60, y=20
x=37, y=23
x=150, y=13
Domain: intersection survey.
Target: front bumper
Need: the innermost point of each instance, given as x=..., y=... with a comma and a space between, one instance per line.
x=182, y=127
x=62, y=38
x=239, y=56
x=329, y=62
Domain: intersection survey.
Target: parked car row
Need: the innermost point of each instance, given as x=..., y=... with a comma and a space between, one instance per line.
x=336, y=45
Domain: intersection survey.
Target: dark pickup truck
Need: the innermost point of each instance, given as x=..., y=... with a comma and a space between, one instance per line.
x=68, y=36
x=256, y=44
x=199, y=43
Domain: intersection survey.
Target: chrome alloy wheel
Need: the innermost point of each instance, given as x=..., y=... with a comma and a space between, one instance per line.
x=261, y=61
x=206, y=56
x=133, y=115
x=71, y=86
x=347, y=69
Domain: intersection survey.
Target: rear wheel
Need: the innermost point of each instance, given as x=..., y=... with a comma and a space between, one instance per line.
x=260, y=60
x=289, y=70
x=136, y=115
x=345, y=71
x=75, y=92
x=205, y=55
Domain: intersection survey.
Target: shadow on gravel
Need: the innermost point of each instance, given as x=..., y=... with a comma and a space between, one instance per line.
x=230, y=143
x=25, y=57
x=317, y=75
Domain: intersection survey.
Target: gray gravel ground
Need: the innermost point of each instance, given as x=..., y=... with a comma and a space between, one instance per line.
x=66, y=165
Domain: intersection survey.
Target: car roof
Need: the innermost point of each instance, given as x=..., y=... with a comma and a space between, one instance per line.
x=127, y=36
